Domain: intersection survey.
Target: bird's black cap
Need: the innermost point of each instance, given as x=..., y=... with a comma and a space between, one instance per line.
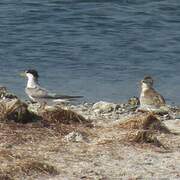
x=33, y=72
x=148, y=79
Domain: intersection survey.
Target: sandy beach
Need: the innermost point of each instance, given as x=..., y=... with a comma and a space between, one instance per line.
x=90, y=141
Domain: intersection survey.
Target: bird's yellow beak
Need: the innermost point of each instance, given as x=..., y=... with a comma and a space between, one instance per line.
x=22, y=74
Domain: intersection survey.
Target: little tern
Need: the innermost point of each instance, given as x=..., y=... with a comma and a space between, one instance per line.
x=38, y=94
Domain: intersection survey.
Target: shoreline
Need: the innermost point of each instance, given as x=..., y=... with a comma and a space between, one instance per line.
x=88, y=141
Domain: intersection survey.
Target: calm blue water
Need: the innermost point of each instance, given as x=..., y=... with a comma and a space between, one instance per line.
x=99, y=49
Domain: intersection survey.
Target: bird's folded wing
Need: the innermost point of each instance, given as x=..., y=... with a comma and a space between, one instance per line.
x=57, y=96
x=38, y=92
x=43, y=93
x=159, y=99
x=154, y=98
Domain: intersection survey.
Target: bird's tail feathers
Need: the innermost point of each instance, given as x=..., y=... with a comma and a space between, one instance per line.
x=60, y=100
x=67, y=97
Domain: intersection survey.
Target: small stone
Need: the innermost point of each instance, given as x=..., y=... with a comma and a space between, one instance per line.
x=75, y=137
x=97, y=111
x=104, y=107
x=134, y=101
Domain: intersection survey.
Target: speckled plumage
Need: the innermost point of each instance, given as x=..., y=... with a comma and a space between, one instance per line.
x=149, y=97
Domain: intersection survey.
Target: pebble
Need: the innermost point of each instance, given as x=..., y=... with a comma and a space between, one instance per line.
x=75, y=137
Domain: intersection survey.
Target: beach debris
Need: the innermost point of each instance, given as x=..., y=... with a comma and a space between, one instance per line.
x=133, y=102
x=3, y=91
x=143, y=129
x=14, y=110
x=27, y=167
x=104, y=107
x=5, y=94
x=35, y=108
x=58, y=115
x=145, y=121
x=76, y=136
x=174, y=112
x=144, y=136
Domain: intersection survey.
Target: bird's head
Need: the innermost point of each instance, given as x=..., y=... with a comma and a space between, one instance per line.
x=147, y=82
x=31, y=73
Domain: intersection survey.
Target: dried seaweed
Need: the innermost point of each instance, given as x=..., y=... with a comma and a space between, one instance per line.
x=15, y=110
x=144, y=122
x=143, y=136
x=59, y=115
x=27, y=167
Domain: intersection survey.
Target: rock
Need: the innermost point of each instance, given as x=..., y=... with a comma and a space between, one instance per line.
x=173, y=125
x=104, y=107
x=76, y=137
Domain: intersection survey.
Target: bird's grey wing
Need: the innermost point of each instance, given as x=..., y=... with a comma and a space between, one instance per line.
x=37, y=92
x=40, y=92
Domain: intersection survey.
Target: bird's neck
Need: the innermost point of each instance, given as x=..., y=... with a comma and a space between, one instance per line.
x=145, y=87
x=32, y=82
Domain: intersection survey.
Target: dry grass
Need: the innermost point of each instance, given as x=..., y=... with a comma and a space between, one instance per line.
x=26, y=148
x=147, y=125
x=63, y=121
x=18, y=142
x=144, y=122
x=14, y=137
x=27, y=167
x=19, y=134
x=17, y=111
x=59, y=115
x=143, y=136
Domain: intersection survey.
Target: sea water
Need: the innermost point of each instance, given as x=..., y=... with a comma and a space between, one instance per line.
x=99, y=49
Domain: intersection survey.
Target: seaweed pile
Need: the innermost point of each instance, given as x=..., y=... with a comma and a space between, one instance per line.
x=143, y=128
x=21, y=127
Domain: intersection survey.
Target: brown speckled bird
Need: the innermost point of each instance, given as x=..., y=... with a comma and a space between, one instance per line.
x=149, y=98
